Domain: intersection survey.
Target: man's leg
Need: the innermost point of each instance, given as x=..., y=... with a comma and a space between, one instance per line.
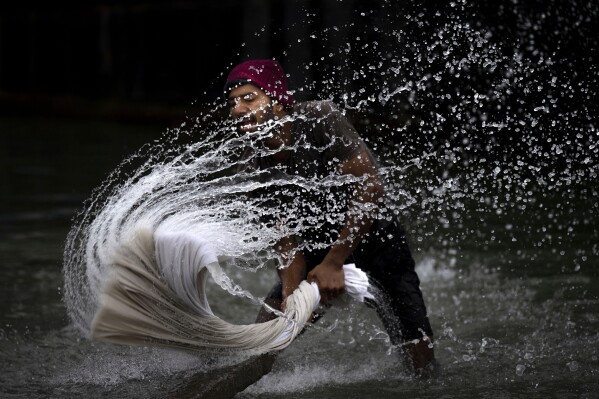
x=386, y=257
x=273, y=300
x=228, y=381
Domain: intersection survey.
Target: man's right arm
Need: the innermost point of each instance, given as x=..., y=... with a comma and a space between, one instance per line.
x=295, y=271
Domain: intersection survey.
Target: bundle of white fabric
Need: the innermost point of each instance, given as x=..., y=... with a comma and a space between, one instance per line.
x=156, y=296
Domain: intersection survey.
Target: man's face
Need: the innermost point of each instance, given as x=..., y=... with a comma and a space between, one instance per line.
x=250, y=107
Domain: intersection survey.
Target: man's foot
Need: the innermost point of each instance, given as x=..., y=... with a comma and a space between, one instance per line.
x=421, y=356
x=431, y=370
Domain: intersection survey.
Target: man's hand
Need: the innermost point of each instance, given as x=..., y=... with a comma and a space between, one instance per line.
x=330, y=279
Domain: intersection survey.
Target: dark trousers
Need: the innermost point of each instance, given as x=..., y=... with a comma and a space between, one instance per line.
x=385, y=256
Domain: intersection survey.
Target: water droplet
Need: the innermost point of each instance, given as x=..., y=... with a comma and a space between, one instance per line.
x=572, y=366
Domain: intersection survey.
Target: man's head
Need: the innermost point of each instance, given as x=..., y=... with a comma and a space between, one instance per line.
x=256, y=92
x=268, y=75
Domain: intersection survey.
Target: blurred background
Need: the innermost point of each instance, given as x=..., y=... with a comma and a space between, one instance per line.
x=83, y=86
x=108, y=74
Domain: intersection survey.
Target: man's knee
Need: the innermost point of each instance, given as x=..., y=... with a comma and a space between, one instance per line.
x=266, y=314
x=272, y=301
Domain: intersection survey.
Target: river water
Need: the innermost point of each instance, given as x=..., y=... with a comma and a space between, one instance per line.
x=512, y=295
x=496, y=184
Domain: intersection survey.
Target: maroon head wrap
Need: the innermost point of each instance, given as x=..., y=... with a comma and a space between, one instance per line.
x=266, y=74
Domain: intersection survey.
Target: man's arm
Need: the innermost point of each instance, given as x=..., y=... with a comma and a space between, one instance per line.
x=295, y=271
x=329, y=274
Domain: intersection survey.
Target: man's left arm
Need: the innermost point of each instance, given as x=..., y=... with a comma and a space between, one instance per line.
x=367, y=192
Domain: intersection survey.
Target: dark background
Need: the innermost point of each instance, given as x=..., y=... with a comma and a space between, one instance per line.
x=76, y=59
x=79, y=60
x=113, y=75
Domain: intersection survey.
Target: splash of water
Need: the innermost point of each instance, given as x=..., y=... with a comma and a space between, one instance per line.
x=459, y=119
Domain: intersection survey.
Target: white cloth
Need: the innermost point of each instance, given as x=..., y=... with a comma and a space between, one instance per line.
x=156, y=296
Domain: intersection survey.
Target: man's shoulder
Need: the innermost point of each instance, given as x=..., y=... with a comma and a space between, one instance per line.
x=316, y=107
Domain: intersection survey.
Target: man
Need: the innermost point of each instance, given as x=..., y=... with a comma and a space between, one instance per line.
x=330, y=224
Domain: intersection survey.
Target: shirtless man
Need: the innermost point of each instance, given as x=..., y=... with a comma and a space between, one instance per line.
x=314, y=139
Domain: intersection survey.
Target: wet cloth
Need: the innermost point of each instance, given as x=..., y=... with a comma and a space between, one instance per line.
x=156, y=295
